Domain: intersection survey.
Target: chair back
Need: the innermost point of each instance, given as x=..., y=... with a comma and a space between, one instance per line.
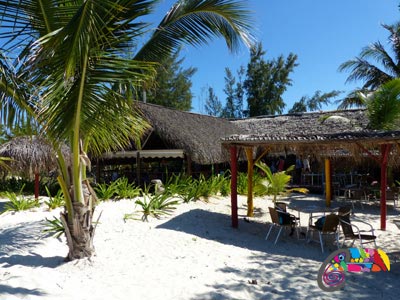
x=331, y=223
x=344, y=211
x=346, y=225
x=281, y=206
x=274, y=215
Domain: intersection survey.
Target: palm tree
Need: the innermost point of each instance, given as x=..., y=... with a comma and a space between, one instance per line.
x=387, y=67
x=383, y=106
x=75, y=54
x=276, y=184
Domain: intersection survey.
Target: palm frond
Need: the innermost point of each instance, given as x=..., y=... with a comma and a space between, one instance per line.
x=377, y=52
x=195, y=23
x=384, y=106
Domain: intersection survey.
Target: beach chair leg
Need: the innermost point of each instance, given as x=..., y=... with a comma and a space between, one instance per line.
x=269, y=231
x=277, y=237
x=337, y=241
x=321, y=241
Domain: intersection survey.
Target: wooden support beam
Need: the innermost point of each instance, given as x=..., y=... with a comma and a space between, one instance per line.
x=385, y=148
x=328, y=182
x=250, y=170
x=234, y=205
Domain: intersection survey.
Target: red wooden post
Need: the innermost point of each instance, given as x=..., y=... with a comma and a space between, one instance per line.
x=385, y=153
x=234, y=206
x=36, y=185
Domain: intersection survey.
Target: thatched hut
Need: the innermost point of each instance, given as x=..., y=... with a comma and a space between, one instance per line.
x=193, y=139
x=30, y=156
x=327, y=137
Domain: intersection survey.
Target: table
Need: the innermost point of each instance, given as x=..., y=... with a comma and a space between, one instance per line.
x=311, y=209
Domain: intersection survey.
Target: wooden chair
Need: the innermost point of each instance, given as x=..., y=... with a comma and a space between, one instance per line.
x=329, y=227
x=278, y=224
x=352, y=232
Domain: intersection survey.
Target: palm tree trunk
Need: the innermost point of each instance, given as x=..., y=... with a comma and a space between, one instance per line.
x=80, y=231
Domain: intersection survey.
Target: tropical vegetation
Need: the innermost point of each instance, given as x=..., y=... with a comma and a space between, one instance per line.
x=374, y=66
x=68, y=65
x=275, y=184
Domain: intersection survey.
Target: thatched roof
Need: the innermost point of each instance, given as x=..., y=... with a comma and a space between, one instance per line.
x=323, y=134
x=198, y=135
x=30, y=154
x=306, y=123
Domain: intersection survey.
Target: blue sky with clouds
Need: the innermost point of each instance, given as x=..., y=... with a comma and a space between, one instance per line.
x=322, y=33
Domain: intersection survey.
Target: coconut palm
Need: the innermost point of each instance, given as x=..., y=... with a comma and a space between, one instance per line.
x=276, y=184
x=75, y=62
x=374, y=66
x=383, y=106
x=385, y=67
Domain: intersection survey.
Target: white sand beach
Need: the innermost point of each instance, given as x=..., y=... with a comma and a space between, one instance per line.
x=192, y=254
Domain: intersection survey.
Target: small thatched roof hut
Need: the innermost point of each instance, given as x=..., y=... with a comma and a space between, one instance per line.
x=30, y=155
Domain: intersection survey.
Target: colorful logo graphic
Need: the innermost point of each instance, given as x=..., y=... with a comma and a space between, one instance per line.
x=331, y=275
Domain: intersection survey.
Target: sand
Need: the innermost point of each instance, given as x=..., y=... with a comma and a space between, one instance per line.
x=194, y=253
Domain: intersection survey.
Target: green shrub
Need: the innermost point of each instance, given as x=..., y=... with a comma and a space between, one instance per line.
x=105, y=191
x=19, y=202
x=54, y=227
x=154, y=205
x=242, y=183
x=126, y=190
x=242, y=187
x=56, y=201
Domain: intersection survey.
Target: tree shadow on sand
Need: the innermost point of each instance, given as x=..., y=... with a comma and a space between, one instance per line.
x=274, y=271
x=23, y=238
x=20, y=291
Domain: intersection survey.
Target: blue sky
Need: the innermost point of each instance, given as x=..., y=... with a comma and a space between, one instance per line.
x=323, y=34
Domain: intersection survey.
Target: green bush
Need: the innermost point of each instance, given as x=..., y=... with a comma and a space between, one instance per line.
x=154, y=205
x=105, y=191
x=126, y=190
x=19, y=202
x=56, y=201
x=54, y=227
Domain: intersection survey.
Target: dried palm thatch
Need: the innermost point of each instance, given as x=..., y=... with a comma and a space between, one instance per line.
x=30, y=155
x=330, y=134
x=198, y=135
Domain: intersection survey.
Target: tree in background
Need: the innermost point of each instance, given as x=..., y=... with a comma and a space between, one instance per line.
x=172, y=84
x=234, y=92
x=313, y=103
x=213, y=106
x=266, y=81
